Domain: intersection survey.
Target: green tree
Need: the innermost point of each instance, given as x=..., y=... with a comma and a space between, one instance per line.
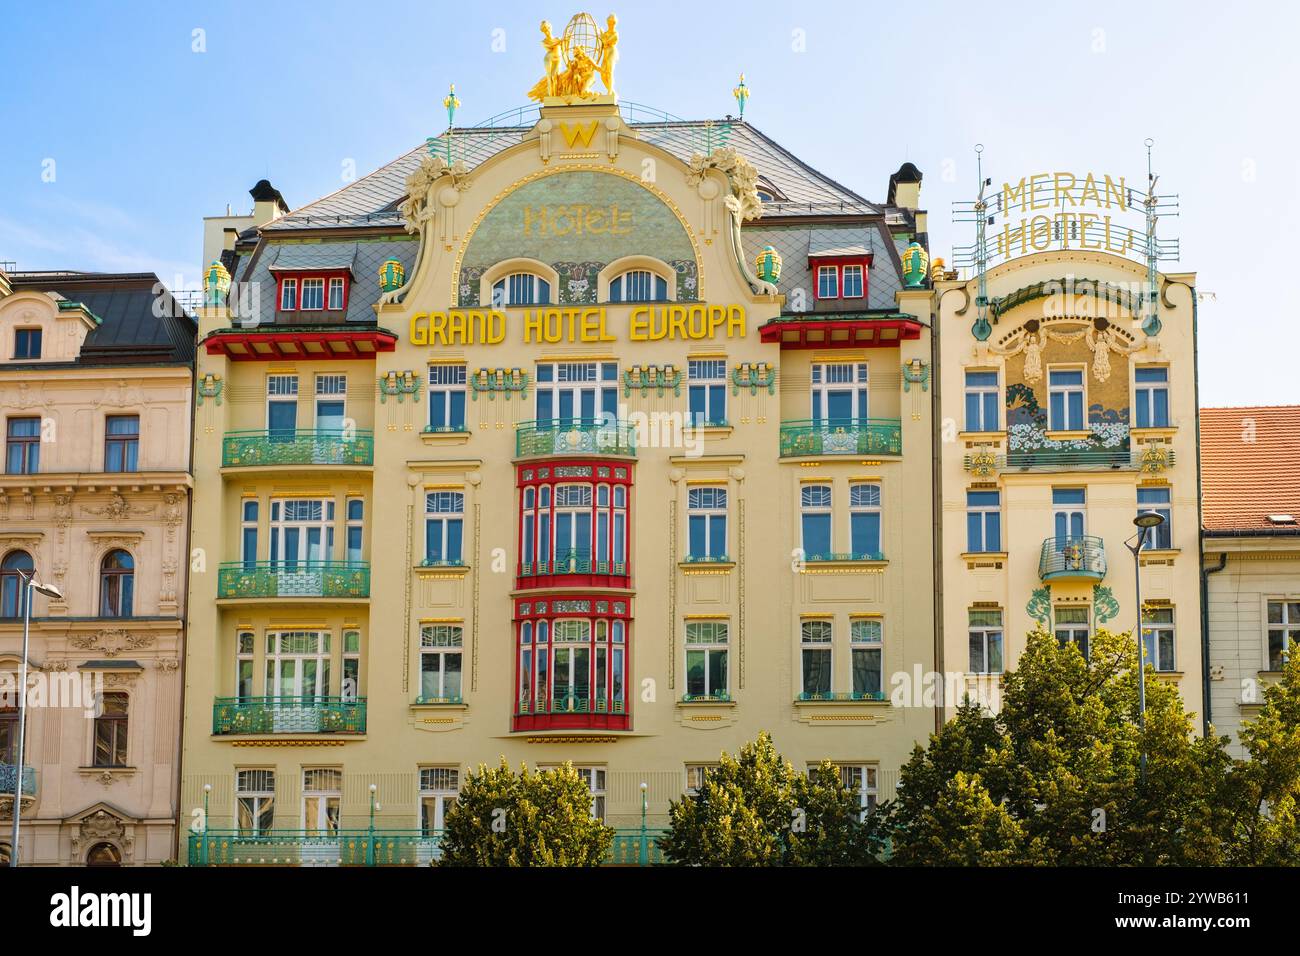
x=757, y=810
x=501, y=818
x=1058, y=771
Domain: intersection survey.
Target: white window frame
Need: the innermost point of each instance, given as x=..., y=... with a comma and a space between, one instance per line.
x=809, y=507
x=646, y=279
x=281, y=389
x=245, y=654
x=984, y=510
x=712, y=637
x=281, y=524
x=695, y=774
x=1144, y=394
x=987, y=632
x=335, y=282
x=860, y=640
x=828, y=377
x=435, y=512
x=289, y=291
x=317, y=284
x=861, y=503
x=810, y=640
x=834, y=273
x=355, y=526
x=255, y=784
x=1157, y=628
x=861, y=271
x=330, y=387
x=445, y=380
x=709, y=502
x=442, y=640
x=1076, y=632
x=276, y=655
x=707, y=374
x=1080, y=389
x=513, y=282
x=439, y=791
x=1288, y=629
x=982, y=391
x=322, y=798
x=1161, y=536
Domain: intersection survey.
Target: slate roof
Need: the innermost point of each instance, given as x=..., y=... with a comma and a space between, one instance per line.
x=131, y=330
x=795, y=243
x=372, y=200
x=1250, y=469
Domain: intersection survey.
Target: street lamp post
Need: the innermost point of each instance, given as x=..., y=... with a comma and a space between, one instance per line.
x=370, y=843
x=28, y=585
x=644, y=854
x=1145, y=521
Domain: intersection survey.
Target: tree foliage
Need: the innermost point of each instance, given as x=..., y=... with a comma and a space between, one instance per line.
x=757, y=810
x=501, y=818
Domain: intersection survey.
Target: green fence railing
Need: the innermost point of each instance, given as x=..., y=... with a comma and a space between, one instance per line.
x=1081, y=556
x=847, y=695
x=414, y=847
x=574, y=436
x=259, y=579
x=288, y=715
x=298, y=447
x=569, y=704
x=572, y=563
x=842, y=436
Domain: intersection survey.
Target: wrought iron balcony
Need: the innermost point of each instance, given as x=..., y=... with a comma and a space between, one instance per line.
x=841, y=696
x=574, y=436
x=841, y=436
x=9, y=776
x=230, y=847
x=985, y=463
x=1066, y=557
x=271, y=579
x=244, y=449
x=288, y=715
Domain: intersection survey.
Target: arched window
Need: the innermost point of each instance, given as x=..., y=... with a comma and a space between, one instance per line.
x=521, y=288
x=638, y=285
x=11, y=582
x=116, y=584
x=103, y=854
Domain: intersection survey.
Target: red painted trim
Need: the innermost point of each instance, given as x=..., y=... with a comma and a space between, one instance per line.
x=379, y=341
x=839, y=262
x=774, y=332
x=325, y=274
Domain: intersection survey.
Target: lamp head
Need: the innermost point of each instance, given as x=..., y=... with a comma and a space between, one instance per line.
x=1149, y=519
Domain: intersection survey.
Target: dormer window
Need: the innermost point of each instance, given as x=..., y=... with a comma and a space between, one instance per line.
x=313, y=292
x=27, y=343
x=521, y=288
x=841, y=276
x=638, y=285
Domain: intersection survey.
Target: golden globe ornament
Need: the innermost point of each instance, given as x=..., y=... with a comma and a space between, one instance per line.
x=392, y=275
x=216, y=283
x=768, y=265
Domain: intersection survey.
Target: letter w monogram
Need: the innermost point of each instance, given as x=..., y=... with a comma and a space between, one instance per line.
x=574, y=134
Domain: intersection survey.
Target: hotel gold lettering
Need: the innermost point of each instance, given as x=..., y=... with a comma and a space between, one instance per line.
x=690, y=322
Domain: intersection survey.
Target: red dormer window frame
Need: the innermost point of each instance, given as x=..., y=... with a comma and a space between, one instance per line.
x=817, y=263
x=297, y=277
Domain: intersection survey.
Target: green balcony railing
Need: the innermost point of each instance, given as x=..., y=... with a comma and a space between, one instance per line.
x=848, y=695
x=574, y=436
x=1072, y=557
x=844, y=556
x=842, y=436
x=638, y=846
x=9, y=777
x=263, y=579
x=313, y=447
x=288, y=715
x=570, y=704
x=719, y=697
x=572, y=563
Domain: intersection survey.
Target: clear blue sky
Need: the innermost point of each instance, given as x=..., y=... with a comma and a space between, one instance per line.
x=148, y=136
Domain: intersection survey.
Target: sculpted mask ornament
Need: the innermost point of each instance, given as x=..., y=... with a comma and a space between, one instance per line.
x=433, y=183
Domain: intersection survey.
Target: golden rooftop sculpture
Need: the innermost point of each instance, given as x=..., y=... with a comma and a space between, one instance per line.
x=574, y=59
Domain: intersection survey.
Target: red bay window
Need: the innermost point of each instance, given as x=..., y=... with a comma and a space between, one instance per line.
x=573, y=525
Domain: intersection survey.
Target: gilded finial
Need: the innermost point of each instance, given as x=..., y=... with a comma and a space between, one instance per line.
x=451, y=103
x=741, y=93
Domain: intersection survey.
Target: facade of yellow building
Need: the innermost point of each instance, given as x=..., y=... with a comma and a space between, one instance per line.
x=584, y=439
x=95, y=377
x=1067, y=385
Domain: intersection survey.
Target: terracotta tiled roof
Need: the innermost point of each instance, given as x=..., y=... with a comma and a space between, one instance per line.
x=1250, y=467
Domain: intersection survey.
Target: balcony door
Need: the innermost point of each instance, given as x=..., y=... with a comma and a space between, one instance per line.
x=572, y=671
x=839, y=392
x=568, y=391
x=1068, y=513
x=297, y=667
x=302, y=537
x=281, y=407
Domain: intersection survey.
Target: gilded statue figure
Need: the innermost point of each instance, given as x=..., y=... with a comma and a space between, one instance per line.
x=549, y=85
x=609, y=52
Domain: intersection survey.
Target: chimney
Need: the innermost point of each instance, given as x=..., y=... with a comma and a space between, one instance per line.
x=905, y=187
x=229, y=236
x=268, y=204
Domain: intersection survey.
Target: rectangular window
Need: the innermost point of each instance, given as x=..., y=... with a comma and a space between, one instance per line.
x=1151, y=396
x=1072, y=627
x=852, y=275
x=121, y=442
x=331, y=399
x=110, y=731
x=322, y=797
x=1158, y=637
x=244, y=643
x=350, y=688
x=1158, y=499
x=576, y=391
x=313, y=295
x=982, y=402
x=289, y=295
x=356, y=525
x=866, y=644
x=439, y=787
x=706, y=516
x=983, y=521
x=707, y=391
x=839, y=393
x=859, y=780
x=248, y=534
x=444, y=527
x=302, y=532
x=695, y=774
x=1068, y=514
x=1283, y=631
x=254, y=801
x=864, y=522
x=828, y=278
x=1065, y=400
x=23, y=446
x=297, y=665
x=815, y=521
x=815, y=658
x=27, y=343
x=446, y=398
x=985, y=631
x=281, y=406
x=440, y=663
x=706, y=659
x=595, y=780
x=336, y=293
